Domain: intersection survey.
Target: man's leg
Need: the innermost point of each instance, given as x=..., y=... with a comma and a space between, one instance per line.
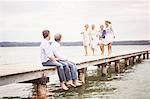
x=60, y=71
x=73, y=69
x=66, y=70
x=74, y=73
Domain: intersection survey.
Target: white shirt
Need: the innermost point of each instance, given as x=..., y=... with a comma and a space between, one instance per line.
x=93, y=34
x=109, y=34
x=57, y=51
x=45, y=51
x=86, y=35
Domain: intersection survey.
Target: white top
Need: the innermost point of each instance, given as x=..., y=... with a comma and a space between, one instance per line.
x=86, y=38
x=93, y=38
x=57, y=51
x=45, y=51
x=86, y=35
x=93, y=34
x=109, y=35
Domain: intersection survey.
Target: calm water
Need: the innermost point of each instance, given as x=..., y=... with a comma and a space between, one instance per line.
x=133, y=83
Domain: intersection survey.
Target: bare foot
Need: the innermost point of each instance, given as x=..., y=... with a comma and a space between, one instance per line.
x=77, y=83
x=71, y=83
x=64, y=87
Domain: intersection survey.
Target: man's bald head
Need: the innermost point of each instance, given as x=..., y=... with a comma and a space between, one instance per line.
x=57, y=37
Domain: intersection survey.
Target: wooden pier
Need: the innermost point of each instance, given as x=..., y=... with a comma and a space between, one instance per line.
x=39, y=76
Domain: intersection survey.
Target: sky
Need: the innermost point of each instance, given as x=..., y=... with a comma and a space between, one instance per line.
x=24, y=20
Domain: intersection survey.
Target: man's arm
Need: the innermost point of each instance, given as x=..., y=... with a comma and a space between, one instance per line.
x=53, y=58
x=49, y=53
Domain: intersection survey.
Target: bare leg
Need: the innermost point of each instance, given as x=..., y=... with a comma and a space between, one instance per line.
x=86, y=53
x=109, y=48
x=93, y=50
x=102, y=49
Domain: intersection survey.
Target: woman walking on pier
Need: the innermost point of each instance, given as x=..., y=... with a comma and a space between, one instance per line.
x=109, y=36
x=86, y=39
x=93, y=38
x=102, y=34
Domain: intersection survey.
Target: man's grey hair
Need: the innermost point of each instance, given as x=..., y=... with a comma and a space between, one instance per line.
x=57, y=37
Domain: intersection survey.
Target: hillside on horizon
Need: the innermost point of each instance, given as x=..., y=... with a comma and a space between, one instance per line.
x=79, y=43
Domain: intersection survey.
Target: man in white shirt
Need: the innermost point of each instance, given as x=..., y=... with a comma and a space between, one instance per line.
x=58, y=53
x=48, y=59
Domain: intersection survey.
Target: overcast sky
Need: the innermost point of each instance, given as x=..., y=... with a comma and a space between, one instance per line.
x=23, y=20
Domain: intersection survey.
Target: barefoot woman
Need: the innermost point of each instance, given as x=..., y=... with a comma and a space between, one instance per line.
x=86, y=38
x=109, y=36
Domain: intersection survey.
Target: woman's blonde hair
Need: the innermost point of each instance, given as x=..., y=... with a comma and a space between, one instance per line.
x=107, y=22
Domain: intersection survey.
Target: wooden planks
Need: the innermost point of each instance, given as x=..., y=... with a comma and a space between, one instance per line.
x=25, y=76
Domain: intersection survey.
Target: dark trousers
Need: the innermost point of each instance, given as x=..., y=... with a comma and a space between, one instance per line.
x=62, y=69
x=73, y=69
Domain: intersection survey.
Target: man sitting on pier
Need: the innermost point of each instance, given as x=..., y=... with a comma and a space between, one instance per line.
x=58, y=53
x=48, y=59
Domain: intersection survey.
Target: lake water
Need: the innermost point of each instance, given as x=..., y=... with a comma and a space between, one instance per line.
x=133, y=83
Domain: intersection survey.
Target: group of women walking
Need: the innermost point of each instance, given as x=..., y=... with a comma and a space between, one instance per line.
x=91, y=38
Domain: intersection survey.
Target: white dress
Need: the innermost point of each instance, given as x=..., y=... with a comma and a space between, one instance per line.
x=93, y=38
x=109, y=36
x=86, y=38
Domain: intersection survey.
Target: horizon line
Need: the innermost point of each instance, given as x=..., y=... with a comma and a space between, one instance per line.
x=73, y=41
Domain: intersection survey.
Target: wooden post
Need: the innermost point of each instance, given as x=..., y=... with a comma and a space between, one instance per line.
x=134, y=59
x=147, y=55
x=127, y=63
x=144, y=56
x=81, y=74
x=104, y=69
x=109, y=63
x=131, y=60
x=139, y=58
x=40, y=88
x=99, y=67
x=117, y=66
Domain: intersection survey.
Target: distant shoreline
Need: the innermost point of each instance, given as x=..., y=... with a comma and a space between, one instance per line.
x=79, y=43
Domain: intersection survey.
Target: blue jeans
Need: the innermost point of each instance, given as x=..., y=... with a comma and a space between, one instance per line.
x=62, y=69
x=73, y=69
